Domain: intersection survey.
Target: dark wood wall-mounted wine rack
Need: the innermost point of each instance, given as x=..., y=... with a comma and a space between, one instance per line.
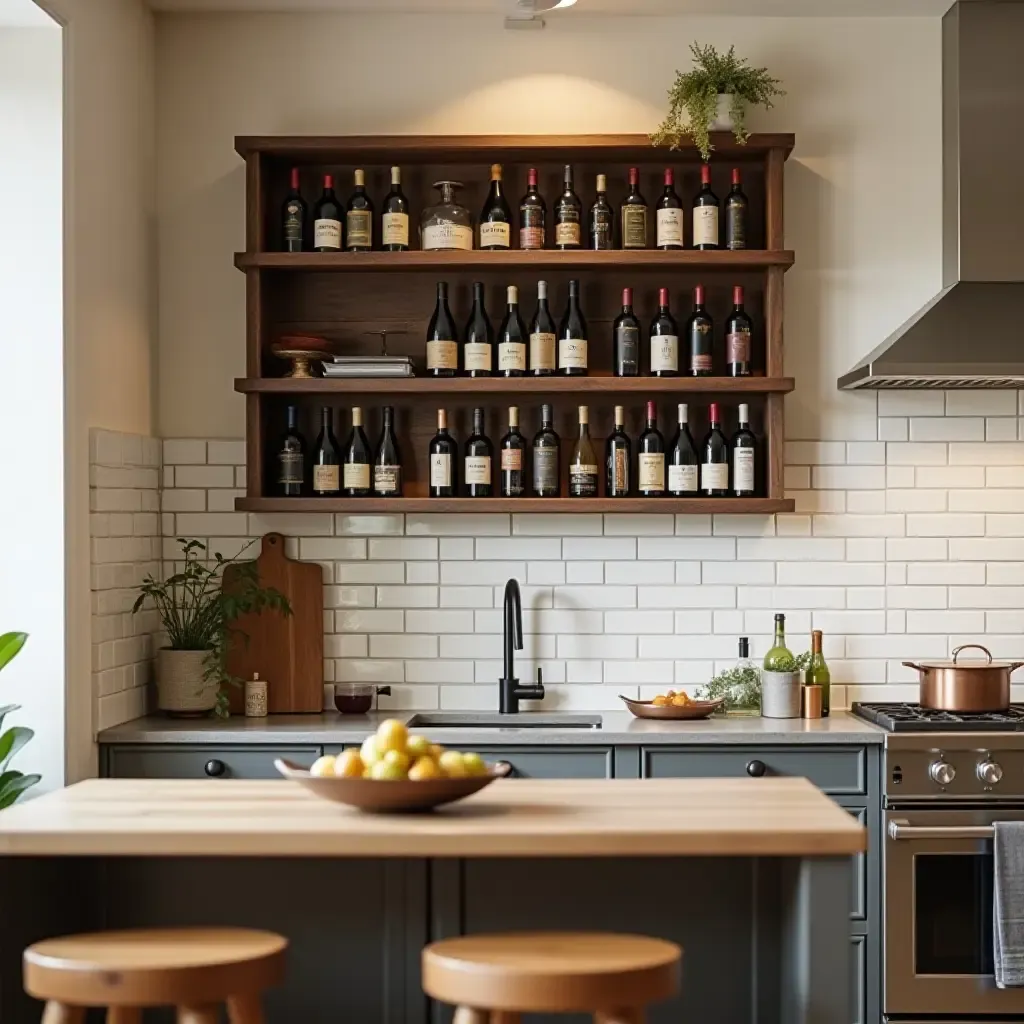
x=345, y=296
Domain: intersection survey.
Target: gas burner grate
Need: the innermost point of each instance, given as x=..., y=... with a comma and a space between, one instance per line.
x=896, y=717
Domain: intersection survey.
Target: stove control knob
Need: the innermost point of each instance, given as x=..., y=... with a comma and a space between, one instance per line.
x=989, y=772
x=942, y=772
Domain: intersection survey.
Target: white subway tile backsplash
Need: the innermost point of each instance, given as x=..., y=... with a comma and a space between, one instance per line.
x=939, y=428
x=995, y=454
x=687, y=549
x=466, y=597
x=1000, y=429
x=477, y=573
x=945, y=621
x=858, y=526
x=848, y=478
x=949, y=477
x=588, y=572
x=915, y=500
x=467, y=524
x=638, y=572
x=981, y=403
x=328, y=549
x=204, y=476
x=595, y=597
x=865, y=453
x=893, y=428
x=646, y=621
x=916, y=549
x=818, y=549
x=646, y=525
x=403, y=548
x=911, y=403
x=686, y=597
x=1004, y=525
x=557, y=525
x=815, y=453
x=986, y=597
x=916, y=597
x=604, y=548
x=444, y=621
x=985, y=550
x=749, y=573
x=179, y=452
x=947, y=525
x=987, y=500
x=369, y=526
x=422, y=572
x=519, y=548
x=545, y=573
x=919, y=453
x=693, y=525
x=943, y=573
x=999, y=573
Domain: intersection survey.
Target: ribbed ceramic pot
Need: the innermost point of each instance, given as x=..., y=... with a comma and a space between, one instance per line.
x=723, y=116
x=780, y=694
x=180, y=686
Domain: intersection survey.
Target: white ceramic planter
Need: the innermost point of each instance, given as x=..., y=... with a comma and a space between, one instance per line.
x=181, y=688
x=780, y=694
x=723, y=117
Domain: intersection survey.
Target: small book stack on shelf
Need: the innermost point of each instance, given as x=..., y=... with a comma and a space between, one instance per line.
x=368, y=366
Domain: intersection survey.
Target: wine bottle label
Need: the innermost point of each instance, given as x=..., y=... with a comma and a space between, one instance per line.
x=735, y=225
x=545, y=469
x=290, y=468
x=359, y=227
x=572, y=353
x=705, y=225
x=627, y=346
x=477, y=356
x=670, y=227
x=478, y=469
x=531, y=226
x=743, y=469
x=511, y=459
x=619, y=467
x=682, y=479
x=665, y=353
x=293, y=223
x=601, y=230
x=583, y=481
x=512, y=355
x=440, y=469
x=651, y=470
x=395, y=229
x=387, y=479
x=442, y=355
x=542, y=351
x=701, y=362
x=714, y=476
x=327, y=234
x=495, y=234
x=326, y=479
x=567, y=232
x=357, y=475
x=634, y=226
x=737, y=347
x=447, y=235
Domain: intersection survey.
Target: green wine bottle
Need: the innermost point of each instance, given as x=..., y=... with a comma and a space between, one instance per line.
x=817, y=671
x=779, y=658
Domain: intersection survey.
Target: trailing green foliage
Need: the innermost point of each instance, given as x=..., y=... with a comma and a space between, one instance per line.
x=695, y=95
x=12, y=783
x=740, y=688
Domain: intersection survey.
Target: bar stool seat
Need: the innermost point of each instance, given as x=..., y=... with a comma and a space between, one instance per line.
x=194, y=969
x=613, y=976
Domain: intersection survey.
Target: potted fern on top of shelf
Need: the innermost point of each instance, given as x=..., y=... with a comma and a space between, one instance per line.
x=714, y=96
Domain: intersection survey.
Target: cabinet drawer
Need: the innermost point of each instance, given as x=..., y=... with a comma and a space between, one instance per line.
x=859, y=979
x=541, y=763
x=841, y=771
x=859, y=907
x=202, y=762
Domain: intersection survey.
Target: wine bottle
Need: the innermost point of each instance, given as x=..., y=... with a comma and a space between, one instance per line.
x=738, y=330
x=542, y=336
x=572, y=337
x=634, y=214
x=496, y=218
x=293, y=217
x=669, y=215
x=477, y=462
x=444, y=460
x=817, y=673
x=682, y=460
x=387, y=464
x=714, y=467
x=583, y=469
x=779, y=657
x=359, y=217
x=664, y=340
x=355, y=477
x=326, y=458
x=533, y=214
x=736, y=210
x=650, y=457
x=394, y=228
x=568, y=213
x=618, y=454
x=546, y=475
x=291, y=458
x=513, y=458
x=700, y=331
x=705, y=213
x=744, y=456
x=327, y=219
x=601, y=230
x=442, y=346
x=478, y=349
x=512, y=339
x=626, y=339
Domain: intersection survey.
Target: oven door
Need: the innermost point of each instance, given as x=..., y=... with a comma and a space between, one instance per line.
x=938, y=876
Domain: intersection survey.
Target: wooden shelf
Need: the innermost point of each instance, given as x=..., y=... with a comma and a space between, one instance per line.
x=718, y=260
x=512, y=386
x=696, y=506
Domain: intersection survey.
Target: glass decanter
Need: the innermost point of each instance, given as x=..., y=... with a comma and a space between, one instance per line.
x=744, y=694
x=446, y=225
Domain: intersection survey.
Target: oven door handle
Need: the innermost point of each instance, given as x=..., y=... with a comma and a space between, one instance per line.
x=902, y=829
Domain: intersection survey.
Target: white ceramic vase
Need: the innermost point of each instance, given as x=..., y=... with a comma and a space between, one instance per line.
x=723, y=116
x=181, y=688
x=780, y=694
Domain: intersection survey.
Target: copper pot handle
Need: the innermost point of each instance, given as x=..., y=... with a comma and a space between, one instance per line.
x=914, y=664
x=977, y=647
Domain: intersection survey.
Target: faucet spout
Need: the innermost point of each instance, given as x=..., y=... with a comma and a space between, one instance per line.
x=510, y=692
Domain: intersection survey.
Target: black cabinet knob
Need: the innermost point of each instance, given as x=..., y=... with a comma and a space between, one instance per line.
x=215, y=768
x=755, y=769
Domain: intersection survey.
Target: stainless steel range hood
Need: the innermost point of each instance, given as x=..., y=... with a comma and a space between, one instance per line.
x=971, y=335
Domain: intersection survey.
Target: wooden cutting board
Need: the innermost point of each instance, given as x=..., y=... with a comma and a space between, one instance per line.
x=286, y=650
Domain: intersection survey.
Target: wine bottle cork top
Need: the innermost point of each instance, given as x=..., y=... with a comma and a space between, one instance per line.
x=684, y=413
x=396, y=175
x=442, y=419
x=620, y=414
x=360, y=177
x=513, y=295
x=602, y=183
x=357, y=416
x=513, y=416
x=584, y=414
x=495, y=172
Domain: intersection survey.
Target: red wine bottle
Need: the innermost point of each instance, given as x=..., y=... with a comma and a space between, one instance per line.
x=634, y=214
x=572, y=337
x=542, y=336
x=568, y=214
x=479, y=451
x=683, y=464
x=442, y=343
x=744, y=457
x=714, y=468
x=664, y=340
x=478, y=348
x=444, y=460
x=532, y=216
x=738, y=329
x=705, y=213
x=626, y=339
x=293, y=217
x=327, y=216
x=327, y=458
x=601, y=234
x=700, y=331
x=650, y=457
x=736, y=209
x=669, y=216
x=617, y=459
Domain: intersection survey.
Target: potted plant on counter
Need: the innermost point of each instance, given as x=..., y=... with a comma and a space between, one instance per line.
x=12, y=783
x=714, y=96
x=198, y=613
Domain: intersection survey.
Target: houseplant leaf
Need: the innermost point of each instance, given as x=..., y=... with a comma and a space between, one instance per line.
x=10, y=644
x=12, y=741
x=13, y=784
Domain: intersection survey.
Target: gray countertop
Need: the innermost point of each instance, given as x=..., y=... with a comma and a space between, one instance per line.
x=618, y=727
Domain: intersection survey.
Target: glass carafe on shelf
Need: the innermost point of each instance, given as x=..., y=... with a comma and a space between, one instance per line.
x=447, y=225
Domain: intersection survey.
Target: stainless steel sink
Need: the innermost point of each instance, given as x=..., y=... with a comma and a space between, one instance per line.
x=522, y=720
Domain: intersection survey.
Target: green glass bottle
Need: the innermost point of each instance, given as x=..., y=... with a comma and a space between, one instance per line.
x=817, y=671
x=779, y=658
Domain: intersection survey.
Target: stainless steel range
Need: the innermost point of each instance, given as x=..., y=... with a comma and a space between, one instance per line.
x=947, y=778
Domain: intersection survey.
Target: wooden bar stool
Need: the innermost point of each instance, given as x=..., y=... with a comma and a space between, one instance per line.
x=193, y=969
x=494, y=978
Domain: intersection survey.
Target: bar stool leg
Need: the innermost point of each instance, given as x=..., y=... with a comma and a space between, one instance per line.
x=198, y=1015
x=61, y=1013
x=124, y=1015
x=626, y=1016
x=246, y=1009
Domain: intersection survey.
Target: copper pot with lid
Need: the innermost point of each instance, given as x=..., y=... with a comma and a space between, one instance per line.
x=966, y=684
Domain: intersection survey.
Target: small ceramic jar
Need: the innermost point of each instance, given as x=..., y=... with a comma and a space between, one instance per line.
x=256, y=697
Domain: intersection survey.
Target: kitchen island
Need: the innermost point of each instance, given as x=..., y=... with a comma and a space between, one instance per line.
x=751, y=876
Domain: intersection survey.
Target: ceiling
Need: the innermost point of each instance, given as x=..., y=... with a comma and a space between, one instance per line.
x=22, y=14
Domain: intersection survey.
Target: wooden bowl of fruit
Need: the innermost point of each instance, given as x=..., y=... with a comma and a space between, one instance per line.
x=673, y=706
x=392, y=772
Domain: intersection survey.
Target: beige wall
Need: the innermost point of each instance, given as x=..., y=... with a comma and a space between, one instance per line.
x=862, y=186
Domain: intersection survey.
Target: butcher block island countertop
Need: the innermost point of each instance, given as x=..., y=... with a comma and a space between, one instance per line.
x=784, y=817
